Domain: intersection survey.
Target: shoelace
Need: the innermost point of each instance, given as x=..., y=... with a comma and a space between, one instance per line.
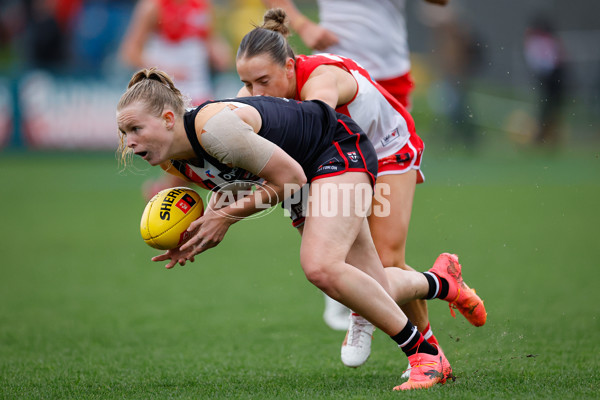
x=419, y=365
x=424, y=365
x=355, y=337
x=453, y=305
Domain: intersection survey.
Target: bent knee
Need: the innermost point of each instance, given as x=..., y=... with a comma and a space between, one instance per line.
x=318, y=273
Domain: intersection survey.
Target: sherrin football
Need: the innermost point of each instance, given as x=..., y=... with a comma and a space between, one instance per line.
x=168, y=215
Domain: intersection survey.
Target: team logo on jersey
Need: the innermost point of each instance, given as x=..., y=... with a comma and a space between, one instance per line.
x=387, y=139
x=352, y=156
x=207, y=173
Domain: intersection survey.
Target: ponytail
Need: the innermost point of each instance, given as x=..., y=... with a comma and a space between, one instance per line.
x=156, y=89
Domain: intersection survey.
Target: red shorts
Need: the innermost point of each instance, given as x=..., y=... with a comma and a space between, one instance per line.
x=399, y=87
x=405, y=159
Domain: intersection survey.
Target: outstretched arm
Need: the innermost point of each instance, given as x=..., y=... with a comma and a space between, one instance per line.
x=234, y=142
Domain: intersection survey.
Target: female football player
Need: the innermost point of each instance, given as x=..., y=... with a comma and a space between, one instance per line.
x=267, y=65
x=288, y=144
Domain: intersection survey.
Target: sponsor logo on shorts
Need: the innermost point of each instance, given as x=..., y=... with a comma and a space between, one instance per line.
x=387, y=139
x=327, y=165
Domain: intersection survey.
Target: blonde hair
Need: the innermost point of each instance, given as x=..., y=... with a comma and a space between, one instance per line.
x=156, y=90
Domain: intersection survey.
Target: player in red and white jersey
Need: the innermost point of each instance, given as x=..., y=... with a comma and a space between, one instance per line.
x=268, y=66
x=389, y=126
x=358, y=25
x=371, y=32
x=179, y=37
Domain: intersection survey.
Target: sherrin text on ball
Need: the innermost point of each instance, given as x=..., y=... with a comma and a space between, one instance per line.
x=168, y=215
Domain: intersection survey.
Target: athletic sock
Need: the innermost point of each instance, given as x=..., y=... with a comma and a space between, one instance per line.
x=428, y=335
x=438, y=287
x=410, y=340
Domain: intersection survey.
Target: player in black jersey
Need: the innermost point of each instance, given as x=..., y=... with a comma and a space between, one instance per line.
x=284, y=144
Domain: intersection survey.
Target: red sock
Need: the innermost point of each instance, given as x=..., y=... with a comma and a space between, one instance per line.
x=429, y=336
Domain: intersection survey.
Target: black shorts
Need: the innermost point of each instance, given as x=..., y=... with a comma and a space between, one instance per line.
x=350, y=151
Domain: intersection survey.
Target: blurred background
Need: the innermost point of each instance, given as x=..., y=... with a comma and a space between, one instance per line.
x=478, y=65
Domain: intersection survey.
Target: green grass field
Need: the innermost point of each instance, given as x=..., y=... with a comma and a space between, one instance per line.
x=85, y=314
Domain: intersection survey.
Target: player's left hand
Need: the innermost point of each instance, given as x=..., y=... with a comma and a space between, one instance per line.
x=176, y=256
x=207, y=231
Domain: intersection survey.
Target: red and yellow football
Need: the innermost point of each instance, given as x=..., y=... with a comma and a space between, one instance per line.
x=168, y=215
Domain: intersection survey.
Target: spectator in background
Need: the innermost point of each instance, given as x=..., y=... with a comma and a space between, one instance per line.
x=544, y=55
x=13, y=21
x=46, y=37
x=178, y=37
x=374, y=35
x=457, y=56
x=98, y=29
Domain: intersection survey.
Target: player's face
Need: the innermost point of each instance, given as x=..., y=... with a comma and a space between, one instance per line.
x=146, y=135
x=263, y=77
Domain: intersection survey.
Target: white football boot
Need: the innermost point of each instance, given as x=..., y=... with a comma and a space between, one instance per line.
x=356, y=348
x=335, y=314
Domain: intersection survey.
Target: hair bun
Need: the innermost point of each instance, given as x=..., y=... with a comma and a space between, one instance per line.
x=275, y=19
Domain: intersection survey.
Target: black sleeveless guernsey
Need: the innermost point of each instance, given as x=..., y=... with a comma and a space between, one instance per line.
x=322, y=141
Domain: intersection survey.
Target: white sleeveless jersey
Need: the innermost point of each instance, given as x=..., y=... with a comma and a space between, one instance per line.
x=372, y=32
x=385, y=121
x=186, y=61
x=385, y=127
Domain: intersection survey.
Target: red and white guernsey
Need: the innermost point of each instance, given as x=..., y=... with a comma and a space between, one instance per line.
x=180, y=46
x=385, y=121
x=370, y=32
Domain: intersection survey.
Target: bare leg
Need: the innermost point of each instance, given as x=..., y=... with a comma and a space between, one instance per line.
x=390, y=230
x=326, y=242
